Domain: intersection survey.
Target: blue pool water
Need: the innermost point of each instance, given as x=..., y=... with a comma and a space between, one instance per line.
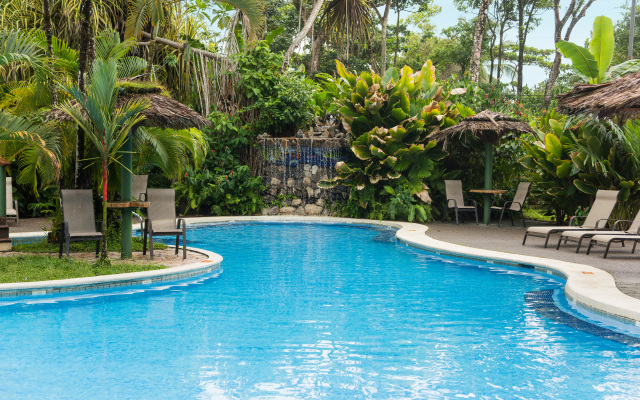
x=309, y=311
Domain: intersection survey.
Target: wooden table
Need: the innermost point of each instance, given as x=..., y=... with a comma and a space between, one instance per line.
x=127, y=204
x=487, y=193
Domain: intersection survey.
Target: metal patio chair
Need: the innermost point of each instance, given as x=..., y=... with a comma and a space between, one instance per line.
x=516, y=205
x=455, y=200
x=161, y=220
x=78, y=219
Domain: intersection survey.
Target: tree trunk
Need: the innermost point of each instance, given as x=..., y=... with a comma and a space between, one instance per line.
x=316, y=51
x=523, y=31
x=85, y=34
x=559, y=25
x=302, y=34
x=632, y=30
x=395, y=55
x=103, y=253
x=384, y=19
x=47, y=32
x=478, y=36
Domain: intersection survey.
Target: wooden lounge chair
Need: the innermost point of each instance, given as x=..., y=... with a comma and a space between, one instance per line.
x=78, y=219
x=455, y=200
x=597, y=218
x=516, y=205
x=12, y=205
x=161, y=220
x=579, y=236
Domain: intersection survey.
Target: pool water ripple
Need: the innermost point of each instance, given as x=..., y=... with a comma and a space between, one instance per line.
x=313, y=311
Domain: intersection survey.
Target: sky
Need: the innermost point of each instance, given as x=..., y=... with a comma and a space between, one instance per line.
x=542, y=36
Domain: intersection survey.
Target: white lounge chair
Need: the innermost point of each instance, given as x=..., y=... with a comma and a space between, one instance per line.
x=12, y=205
x=579, y=236
x=596, y=219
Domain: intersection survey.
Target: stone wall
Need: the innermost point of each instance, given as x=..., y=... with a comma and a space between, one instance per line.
x=292, y=168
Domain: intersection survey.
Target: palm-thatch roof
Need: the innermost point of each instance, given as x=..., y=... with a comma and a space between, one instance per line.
x=487, y=125
x=163, y=111
x=620, y=96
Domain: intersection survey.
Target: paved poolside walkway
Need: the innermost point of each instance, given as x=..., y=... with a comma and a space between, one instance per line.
x=624, y=266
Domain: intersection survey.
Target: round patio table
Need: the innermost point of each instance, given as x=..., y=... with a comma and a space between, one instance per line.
x=487, y=193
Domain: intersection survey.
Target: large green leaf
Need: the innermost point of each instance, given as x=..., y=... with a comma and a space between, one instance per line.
x=553, y=145
x=627, y=67
x=601, y=45
x=581, y=58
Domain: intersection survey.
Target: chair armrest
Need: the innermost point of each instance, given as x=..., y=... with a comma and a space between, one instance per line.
x=603, y=219
x=617, y=223
x=182, y=222
x=142, y=197
x=475, y=204
x=575, y=217
x=15, y=205
x=455, y=203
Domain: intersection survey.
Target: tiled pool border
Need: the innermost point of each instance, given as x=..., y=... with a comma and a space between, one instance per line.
x=212, y=263
x=587, y=286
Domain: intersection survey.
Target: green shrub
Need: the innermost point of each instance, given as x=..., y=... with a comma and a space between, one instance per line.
x=390, y=119
x=223, y=185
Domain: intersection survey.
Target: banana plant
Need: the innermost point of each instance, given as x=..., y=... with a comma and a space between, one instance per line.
x=593, y=63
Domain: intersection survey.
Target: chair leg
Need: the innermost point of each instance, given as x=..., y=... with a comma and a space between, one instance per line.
x=547, y=240
x=177, y=243
x=144, y=242
x=606, y=251
x=559, y=243
x=525, y=238
x=591, y=242
x=66, y=245
x=184, y=243
x=524, y=223
x=97, y=247
x=501, y=215
x=633, y=250
x=476, y=210
x=579, y=245
x=151, y=246
x=61, y=244
x=457, y=222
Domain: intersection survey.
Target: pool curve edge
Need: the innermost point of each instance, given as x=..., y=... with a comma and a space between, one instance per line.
x=587, y=286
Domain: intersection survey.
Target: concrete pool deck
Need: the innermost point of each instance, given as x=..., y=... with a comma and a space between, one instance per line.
x=590, y=279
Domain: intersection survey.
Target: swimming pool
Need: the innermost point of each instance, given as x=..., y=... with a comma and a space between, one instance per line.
x=314, y=311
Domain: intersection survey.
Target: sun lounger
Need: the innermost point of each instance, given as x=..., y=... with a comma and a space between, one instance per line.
x=515, y=205
x=12, y=205
x=78, y=219
x=455, y=200
x=162, y=221
x=579, y=236
x=596, y=219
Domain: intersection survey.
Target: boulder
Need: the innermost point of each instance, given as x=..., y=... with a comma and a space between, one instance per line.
x=296, y=202
x=287, y=210
x=312, y=209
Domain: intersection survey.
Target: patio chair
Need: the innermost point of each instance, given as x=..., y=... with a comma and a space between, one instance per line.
x=600, y=211
x=579, y=236
x=139, y=189
x=610, y=237
x=161, y=220
x=515, y=205
x=455, y=200
x=12, y=205
x=78, y=219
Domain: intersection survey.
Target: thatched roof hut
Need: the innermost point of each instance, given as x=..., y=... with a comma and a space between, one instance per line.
x=487, y=125
x=620, y=96
x=163, y=111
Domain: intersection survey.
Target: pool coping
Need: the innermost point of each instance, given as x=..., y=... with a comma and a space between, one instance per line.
x=587, y=286
x=212, y=263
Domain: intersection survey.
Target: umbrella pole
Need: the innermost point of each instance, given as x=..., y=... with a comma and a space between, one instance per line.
x=488, y=180
x=126, y=184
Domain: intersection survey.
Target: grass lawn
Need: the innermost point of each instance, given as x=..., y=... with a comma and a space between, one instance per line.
x=30, y=267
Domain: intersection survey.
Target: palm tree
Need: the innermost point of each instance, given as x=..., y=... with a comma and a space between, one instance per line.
x=105, y=126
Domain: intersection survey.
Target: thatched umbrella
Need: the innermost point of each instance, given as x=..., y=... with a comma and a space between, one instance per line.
x=489, y=126
x=163, y=112
x=620, y=96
